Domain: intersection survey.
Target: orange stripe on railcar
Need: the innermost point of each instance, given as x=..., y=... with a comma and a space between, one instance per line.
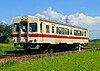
x=50, y=36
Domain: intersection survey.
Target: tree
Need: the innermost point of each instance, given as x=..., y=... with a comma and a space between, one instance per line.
x=5, y=32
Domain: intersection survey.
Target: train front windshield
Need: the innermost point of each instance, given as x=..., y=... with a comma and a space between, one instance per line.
x=24, y=27
x=16, y=27
x=33, y=27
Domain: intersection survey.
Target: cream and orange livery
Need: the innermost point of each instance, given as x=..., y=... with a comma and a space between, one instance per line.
x=31, y=32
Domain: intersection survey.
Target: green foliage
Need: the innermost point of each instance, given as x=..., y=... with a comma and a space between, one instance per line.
x=94, y=43
x=5, y=32
x=6, y=47
x=9, y=45
x=85, y=61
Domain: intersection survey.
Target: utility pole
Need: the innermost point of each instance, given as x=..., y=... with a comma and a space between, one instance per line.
x=66, y=19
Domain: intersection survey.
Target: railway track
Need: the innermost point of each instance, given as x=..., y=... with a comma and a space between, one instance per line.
x=38, y=55
x=9, y=55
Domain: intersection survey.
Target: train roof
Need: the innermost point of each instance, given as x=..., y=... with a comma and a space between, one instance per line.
x=63, y=24
x=53, y=22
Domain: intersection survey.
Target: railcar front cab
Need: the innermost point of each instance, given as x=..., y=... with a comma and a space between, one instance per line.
x=24, y=29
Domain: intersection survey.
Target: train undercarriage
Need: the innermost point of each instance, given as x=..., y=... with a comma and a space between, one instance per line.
x=47, y=47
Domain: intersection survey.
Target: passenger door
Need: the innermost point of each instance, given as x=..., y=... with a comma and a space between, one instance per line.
x=41, y=31
x=23, y=31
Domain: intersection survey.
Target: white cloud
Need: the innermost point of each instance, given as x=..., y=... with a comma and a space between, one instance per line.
x=3, y=21
x=52, y=15
x=80, y=18
x=40, y=15
x=74, y=19
x=77, y=19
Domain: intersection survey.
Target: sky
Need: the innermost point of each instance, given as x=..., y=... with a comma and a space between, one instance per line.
x=82, y=13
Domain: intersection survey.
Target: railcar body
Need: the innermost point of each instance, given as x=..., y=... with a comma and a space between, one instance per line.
x=32, y=32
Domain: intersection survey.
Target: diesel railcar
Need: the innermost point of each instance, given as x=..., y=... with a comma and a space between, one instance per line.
x=33, y=33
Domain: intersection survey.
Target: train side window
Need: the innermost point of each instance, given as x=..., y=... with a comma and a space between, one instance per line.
x=66, y=31
x=82, y=33
x=47, y=29
x=57, y=30
x=62, y=30
x=52, y=29
x=85, y=33
x=33, y=27
x=75, y=32
x=41, y=27
x=70, y=31
x=78, y=33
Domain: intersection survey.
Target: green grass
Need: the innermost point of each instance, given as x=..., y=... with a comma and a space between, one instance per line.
x=93, y=44
x=7, y=63
x=6, y=47
x=84, y=61
x=9, y=45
